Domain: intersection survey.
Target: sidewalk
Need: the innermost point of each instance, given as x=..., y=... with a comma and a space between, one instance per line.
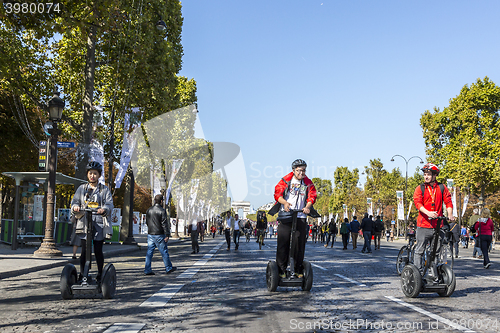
x=21, y=261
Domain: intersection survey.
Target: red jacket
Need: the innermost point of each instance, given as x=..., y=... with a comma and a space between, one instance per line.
x=282, y=186
x=484, y=228
x=426, y=201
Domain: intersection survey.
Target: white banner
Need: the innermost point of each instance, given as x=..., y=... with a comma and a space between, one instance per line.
x=466, y=201
x=401, y=206
x=369, y=202
x=96, y=154
x=409, y=209
x=344, y=207
x=330, y=216
x=129, y=143
x=193, y=192
x=155, y=180
x=353, y=211
x=454, y=201
x=176, y=165
x=336, y=217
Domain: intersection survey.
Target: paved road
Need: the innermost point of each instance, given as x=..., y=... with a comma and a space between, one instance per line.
x=221, y=291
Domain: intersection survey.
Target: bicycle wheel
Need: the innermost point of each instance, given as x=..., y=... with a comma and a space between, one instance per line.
x=402, y=260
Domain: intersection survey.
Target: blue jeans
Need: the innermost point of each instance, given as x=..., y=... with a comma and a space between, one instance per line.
x=153, y=242
x=368, y=241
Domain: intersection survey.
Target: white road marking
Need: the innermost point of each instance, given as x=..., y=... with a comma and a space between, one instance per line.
x=166, y=293
x=432, y=315
x=188, y=273
x=318, y=266
x=125, y=328
x=488, y=277
x=351, y=280
x=162, y=297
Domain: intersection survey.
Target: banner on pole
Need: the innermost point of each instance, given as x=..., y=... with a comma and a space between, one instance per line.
x=466, y=201
x=454, y=201
x=344, y=207
x=369, y=209
x=401, y=207
x=176, y=165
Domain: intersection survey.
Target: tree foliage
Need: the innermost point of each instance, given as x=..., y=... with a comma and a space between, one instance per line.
x=464, y=138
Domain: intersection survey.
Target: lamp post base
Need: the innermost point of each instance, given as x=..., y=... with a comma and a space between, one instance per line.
x=48, y=250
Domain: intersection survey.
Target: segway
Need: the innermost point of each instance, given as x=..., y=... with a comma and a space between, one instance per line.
x=70, y=285
x=290, y=280
x=441, y=279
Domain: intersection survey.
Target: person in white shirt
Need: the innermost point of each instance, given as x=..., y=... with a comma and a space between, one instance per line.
x=228, y=228
x=236, y=232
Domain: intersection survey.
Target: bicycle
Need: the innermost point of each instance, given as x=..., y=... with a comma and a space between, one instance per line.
x=406, y=254
x=247, y=235
x=437, y=275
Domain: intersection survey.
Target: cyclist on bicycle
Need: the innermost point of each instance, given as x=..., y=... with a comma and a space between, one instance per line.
x=261, y=225
x=429, y=198
x=293, y=191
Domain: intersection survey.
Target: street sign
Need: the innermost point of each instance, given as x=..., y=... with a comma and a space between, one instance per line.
x=65, y=144
x=42, y=156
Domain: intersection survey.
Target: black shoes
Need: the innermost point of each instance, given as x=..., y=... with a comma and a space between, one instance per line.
x=193, y=252
x=150, y=273
x=173, y=269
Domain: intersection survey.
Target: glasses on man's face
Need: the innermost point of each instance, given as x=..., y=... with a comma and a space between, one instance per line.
x=300, y=170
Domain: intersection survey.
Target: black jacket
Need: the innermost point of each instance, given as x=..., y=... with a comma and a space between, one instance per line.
x=157, y=221
x=332, y=228
x=367, y=225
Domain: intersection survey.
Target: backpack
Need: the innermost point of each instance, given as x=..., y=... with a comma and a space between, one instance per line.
x=422, y=189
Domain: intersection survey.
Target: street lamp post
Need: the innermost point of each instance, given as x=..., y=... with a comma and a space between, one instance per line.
x=48, y=247
x=406, y=183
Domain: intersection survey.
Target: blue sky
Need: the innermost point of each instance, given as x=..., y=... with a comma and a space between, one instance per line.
x=336, y=83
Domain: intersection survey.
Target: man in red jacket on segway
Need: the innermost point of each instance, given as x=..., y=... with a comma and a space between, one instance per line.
x=294, y=191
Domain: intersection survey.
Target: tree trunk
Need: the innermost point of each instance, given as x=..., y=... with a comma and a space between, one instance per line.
x=88, y=111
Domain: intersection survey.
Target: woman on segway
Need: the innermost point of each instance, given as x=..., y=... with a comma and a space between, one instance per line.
x=90, y=195
x=294, y=191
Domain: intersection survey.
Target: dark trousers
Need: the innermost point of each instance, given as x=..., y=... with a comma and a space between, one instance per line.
x=99, y=256
x=332, y=236
x=236, y=238
x=376, y=240
x=227, y=233
x=283, y=250
x=345, y=240
x=485, y=242
x=194, y=240
x=367, y=246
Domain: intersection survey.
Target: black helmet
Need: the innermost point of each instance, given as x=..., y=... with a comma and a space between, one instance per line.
x=94, y=166
x=298, y=163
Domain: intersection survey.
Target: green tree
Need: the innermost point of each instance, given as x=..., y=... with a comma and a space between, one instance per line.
x=464, y=138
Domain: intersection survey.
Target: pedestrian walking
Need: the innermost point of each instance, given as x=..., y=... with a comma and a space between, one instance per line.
x=484, y=227
x=368, y=227
x=332, y=232
x=388, y=234
x=193, y=231
x=236, y=232
x=345, y=230
x=379, y=229
x=158, y=235
x=455, y=238
x=314, y=232
x=213, y=230
x=355, y=231
x=228, y=228
x=464, y=237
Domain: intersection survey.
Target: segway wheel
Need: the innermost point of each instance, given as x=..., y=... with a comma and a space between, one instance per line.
x=68, y=278
x=308, y=276
x=108, y=282
x=402, y=260
x=272, y=276
x=411, y=281
x=449, y=279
